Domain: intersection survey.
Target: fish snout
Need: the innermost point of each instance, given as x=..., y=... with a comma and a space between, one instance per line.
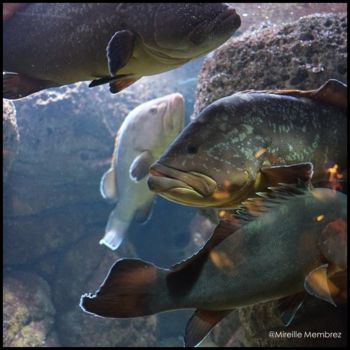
x=163, y=178
x=174, y=117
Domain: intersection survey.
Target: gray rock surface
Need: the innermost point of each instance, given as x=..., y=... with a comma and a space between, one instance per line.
x=10, y=136
x=300, y=55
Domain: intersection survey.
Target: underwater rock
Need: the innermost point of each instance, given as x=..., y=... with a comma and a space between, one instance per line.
x=28, y=239
x=84, y=268
x=87, y=271
x=83, y=330
x=10, y=136
x=28, y=313
x=300, y=55
x=66, y=146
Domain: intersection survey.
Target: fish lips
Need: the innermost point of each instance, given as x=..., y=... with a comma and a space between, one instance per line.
x=164, y=179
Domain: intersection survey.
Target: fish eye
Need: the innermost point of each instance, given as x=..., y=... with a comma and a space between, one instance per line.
x=191, y=149
x=153, y=110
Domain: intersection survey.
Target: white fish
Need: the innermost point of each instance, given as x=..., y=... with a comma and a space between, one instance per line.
x=144, y=135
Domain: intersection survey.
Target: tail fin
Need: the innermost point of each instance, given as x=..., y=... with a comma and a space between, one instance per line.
x=115, y=231
x=131, y=289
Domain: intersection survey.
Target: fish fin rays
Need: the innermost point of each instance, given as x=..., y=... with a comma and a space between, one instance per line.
x=111, y=80
x=16, y=86
x=332, y=92
x=200, y=324
x=108, y=186
x=252, y=208
x=318, y=284
x=289, y=306
x=287, y=173
x=119, y=50
x=139, y=168
x=127, y=291
x=121, y=84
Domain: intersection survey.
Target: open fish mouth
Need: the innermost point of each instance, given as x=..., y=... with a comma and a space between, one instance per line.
x=179, y=185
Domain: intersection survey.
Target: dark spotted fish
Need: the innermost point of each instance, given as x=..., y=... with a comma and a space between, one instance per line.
x=54, y=44
x=250, y=140
x=278, y=245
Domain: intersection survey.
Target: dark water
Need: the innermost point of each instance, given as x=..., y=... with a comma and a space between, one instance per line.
x=54, y=215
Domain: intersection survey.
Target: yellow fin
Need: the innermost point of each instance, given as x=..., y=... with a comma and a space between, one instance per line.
x=318, y=284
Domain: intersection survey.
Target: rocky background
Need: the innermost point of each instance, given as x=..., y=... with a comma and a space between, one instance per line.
x=56, y=146
x=54, y=215
x=299, y=55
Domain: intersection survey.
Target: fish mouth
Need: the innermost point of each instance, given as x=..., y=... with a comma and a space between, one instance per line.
x=188, y=187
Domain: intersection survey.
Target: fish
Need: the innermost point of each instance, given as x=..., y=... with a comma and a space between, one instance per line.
x=143, y=136
x=246, y=142
x=55, y=44
x=288, y=243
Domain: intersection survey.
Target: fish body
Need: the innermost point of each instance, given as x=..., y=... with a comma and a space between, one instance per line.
x=293, y=240
x=61, y=43
x=143, y=136
x=248, y=141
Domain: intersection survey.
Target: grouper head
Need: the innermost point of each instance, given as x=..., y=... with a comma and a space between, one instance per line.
x=157, y=122
x=188, y=30
x=213, y=162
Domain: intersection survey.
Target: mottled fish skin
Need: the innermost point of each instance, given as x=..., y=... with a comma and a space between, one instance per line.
x=236, y=136
x=263, y=254
x=143, y=136
x=62, y=43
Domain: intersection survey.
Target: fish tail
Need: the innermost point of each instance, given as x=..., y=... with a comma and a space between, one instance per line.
x=115, y=232
x=132, y=288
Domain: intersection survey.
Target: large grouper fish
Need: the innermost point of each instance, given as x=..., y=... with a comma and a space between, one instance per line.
x=54, y=44
x=289, y=241
x=143, y=136
x=250, y=140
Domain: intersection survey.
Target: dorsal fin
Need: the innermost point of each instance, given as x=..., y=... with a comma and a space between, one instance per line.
x=254, y=207
x=183, y=275
x=332, y=92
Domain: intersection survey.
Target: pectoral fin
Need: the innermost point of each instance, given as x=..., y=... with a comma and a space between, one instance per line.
x=16, y=85
x=318, y=284
x=288, y=174
x=140, y=166
x=108, y=186
x=119, y=50
x=289, y=306
x=200, y=324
